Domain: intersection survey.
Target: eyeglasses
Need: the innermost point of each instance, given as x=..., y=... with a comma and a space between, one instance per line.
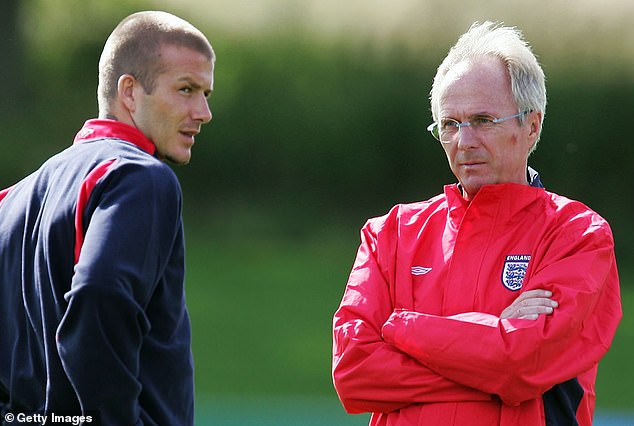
x=448, y=128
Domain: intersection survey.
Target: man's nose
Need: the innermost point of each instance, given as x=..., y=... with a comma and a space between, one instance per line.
x=203, y=111
x=467, y=136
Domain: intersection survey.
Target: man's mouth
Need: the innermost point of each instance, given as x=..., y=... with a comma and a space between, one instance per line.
x=190, y=133
x=472, y=163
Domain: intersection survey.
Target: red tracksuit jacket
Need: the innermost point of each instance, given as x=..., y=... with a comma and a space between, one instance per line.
x=418, y=339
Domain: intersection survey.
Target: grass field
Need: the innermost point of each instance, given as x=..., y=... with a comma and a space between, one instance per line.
x=261, y=310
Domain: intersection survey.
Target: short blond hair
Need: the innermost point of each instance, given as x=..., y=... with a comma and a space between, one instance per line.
x=133, y=48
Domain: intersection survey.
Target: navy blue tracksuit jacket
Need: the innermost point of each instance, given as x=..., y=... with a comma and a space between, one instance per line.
x=92, y=301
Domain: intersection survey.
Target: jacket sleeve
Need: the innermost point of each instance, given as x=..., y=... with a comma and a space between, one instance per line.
x=369, y=374
x=130, y=227
x=521, y=359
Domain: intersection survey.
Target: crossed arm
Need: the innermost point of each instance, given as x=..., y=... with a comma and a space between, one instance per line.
x=547, y=335
x=358, y=365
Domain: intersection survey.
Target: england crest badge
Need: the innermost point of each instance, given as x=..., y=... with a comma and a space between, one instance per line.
x=515, y=267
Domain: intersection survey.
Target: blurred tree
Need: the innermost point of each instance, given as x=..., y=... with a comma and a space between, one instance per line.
x=12, y=48
x=306, y=129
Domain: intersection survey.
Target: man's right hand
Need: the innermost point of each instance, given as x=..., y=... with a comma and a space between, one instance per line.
x=530, y=305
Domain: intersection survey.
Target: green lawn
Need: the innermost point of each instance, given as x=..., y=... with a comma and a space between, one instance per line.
x=261, y=312
x=616, y=370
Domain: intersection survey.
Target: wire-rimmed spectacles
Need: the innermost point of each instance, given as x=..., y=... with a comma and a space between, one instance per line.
x=448, y=128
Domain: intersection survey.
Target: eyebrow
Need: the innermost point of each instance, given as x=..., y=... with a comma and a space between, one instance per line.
x=470, y=116
x=194, y=85
x=190, y=81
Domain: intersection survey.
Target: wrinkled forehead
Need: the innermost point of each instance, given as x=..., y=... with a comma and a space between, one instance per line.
x=475, y=86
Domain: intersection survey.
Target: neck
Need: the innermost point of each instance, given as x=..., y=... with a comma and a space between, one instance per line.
x=117, y=112
x=108, y=116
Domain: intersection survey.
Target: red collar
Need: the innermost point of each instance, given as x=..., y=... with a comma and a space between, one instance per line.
x=102, y=128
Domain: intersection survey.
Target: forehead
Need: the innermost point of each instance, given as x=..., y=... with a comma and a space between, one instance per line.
x=476, y=86
x=184, y=62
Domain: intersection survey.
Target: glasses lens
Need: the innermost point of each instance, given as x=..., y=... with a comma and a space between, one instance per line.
x=447, y=130
x=435, y=132
x=433, y=129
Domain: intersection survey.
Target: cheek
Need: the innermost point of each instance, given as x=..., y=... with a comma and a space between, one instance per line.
x=504, y=148
x=446, y=149
x=450, y=153
x=516, y=152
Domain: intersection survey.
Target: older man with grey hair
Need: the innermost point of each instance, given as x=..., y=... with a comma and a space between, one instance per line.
x=493, y=302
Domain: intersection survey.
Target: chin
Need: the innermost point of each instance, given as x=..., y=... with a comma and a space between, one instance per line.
x=178, y=157
x=180, y=160
x=471, y=187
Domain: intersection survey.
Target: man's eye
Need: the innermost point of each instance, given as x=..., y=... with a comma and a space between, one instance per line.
x=482, y=121
x=448, y=125
x=186, y=90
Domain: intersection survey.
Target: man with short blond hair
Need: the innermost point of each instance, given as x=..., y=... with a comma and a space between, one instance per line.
x=92, y=250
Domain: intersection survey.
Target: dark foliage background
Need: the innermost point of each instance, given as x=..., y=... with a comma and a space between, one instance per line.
x=310, y=136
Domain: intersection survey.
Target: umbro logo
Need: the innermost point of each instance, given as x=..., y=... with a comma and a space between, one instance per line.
x=420, y=270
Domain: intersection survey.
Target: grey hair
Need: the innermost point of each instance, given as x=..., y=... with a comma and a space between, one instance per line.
x=508, y=44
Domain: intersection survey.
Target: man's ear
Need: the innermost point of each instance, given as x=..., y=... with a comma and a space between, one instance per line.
x=126, y=92
x=535, y=123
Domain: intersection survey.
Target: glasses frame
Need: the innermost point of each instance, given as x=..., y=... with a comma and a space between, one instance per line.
x=433, y=128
